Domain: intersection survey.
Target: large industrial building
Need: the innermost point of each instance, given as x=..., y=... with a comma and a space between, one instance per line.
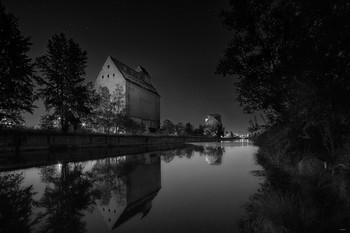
x=142, y=101
x=213, y=119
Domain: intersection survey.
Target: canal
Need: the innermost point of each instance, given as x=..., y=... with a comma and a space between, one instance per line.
x=199, y=188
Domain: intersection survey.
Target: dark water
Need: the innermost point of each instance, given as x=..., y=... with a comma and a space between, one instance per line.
x=200, y=188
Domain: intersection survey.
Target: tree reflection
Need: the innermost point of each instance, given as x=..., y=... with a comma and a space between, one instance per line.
x=299, y=197
x=68, y=192
x=16, y=204
x=109, y=176
x=187, y=152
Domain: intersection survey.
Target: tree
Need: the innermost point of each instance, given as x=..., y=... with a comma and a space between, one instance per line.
x=291, y=59
x=16, y=204
x=179, y=129
x=16, y=71
x=109, y=112
x=200, y=130
x=63, y=88
x=168, y=127
x=214, y=130
x=189, y=129
x=104, y=115
x=68, y=193
x=49, y=121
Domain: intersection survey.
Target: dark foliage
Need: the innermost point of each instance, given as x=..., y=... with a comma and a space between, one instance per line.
x=63, y=89
x=68, y=192
x=16, y=204
x=16, y=71
x=291, y=58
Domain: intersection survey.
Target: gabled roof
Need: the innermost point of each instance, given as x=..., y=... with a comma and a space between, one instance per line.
x=135, y=77
x=143, y=206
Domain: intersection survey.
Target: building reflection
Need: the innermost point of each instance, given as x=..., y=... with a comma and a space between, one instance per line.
x=244, y=142
x=213, y=155
x=127, y=186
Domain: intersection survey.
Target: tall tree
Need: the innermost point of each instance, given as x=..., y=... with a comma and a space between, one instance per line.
x=189, y=129
x=109, y=110
x=291, y=59
x=16, y=71
x=63, y=89
x=168, y=127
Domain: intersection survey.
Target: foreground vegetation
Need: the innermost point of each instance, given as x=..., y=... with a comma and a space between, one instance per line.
x=291, y=59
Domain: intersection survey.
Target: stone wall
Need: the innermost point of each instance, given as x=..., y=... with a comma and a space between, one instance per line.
x=14, y=141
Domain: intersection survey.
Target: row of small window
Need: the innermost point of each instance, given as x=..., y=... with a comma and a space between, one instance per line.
x=109, y=210
x=107, y=76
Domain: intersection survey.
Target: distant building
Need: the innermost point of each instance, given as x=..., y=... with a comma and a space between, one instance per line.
x=213, y=125
x=142, y=101
x=213, y=119
x=213, y=155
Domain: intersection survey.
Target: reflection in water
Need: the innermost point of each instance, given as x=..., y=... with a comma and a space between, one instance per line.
x=299, y=197
x=108, y=194
x=245, y=142
x=213, y=155
x=16, y=204
x=127, y=185
x=68, y=192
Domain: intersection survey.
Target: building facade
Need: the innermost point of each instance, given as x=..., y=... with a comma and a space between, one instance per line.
x=213, y=125
x=142, y=101
x=213, y=119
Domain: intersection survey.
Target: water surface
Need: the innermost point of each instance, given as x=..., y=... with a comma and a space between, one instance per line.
x=199, y=188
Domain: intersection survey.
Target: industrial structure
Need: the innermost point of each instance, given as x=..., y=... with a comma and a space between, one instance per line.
x=213, y=119
x=142, y=101
x=135, y=181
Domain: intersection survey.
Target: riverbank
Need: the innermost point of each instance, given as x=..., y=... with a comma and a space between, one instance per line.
x=20, y=141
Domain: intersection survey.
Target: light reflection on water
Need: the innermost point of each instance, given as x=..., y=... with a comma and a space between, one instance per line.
x=199, y=188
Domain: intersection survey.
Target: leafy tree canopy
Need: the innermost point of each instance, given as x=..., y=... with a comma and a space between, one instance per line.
x=63, y=89
x=291, y=59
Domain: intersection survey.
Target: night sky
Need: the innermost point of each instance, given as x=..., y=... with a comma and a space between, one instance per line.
x=179, y=42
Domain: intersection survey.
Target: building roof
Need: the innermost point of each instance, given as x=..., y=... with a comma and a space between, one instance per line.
x=135, y=77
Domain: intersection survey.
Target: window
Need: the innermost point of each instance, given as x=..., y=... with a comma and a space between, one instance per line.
x=113, y=75
x=107, y=76
x=108, y=66
x=102, y=76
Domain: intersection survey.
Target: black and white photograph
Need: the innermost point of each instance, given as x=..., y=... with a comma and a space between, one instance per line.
x=174, y=116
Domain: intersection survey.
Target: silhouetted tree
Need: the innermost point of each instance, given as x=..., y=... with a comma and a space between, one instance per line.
x=214, y=130
x=16, y=203
x=200, y=130
x=68, y=192
x=63, y=89
x=291, y=60
x=179, y=129
x=49, y=121
x=189, y=129
x=168, y=127
x=16, y=71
